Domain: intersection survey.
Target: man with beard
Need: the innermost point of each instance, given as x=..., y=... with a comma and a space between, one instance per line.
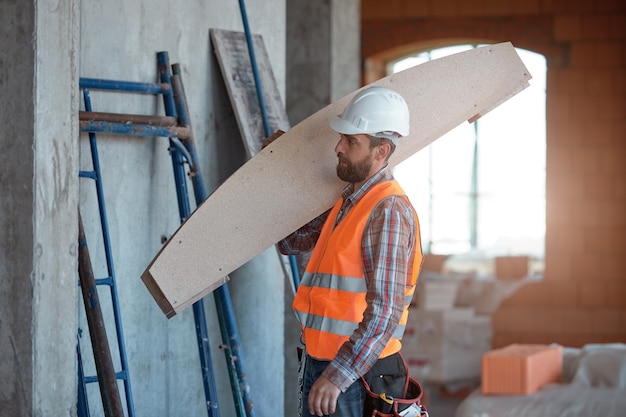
x=352, y=303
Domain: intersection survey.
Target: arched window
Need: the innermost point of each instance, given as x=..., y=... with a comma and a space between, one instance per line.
x=481, y=188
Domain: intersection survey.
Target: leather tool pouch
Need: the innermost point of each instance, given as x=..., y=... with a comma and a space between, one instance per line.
x=390, y=391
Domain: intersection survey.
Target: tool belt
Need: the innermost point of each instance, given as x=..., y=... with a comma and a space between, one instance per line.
x=390, y=391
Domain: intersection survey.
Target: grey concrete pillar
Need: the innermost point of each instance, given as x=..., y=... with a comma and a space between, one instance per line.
x=38, y=207
x=323, y=54
x=323, y=65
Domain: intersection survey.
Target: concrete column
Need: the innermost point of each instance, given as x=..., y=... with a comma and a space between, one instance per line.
x=323, y=65
x=38, y=203
x=323, y=54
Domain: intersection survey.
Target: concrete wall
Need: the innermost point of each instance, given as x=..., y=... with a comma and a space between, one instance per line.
x=582, y=297
x=38, y=201
x=17, y=239
x=119, y=40
x=44, y=49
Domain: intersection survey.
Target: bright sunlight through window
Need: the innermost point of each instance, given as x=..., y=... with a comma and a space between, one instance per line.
x=481, y=187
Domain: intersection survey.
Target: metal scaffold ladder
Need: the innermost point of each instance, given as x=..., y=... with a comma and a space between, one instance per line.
x=176, y=127
x=89, y=284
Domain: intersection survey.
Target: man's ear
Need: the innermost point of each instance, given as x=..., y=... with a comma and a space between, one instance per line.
x=383, y=150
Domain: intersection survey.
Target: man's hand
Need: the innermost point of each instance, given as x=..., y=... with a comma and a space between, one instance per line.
x=272, y=138
x=323, y=397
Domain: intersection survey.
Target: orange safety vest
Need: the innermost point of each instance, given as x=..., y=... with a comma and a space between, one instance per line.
x=330, y=300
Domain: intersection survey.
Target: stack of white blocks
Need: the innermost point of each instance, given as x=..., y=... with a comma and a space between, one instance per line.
x=443, y=343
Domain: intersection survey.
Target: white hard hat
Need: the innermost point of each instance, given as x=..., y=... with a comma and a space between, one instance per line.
x=375, y=111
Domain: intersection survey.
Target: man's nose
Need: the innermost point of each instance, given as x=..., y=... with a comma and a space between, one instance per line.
x=340, y=144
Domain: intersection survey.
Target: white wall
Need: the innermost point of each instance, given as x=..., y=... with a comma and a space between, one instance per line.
x=119, y=40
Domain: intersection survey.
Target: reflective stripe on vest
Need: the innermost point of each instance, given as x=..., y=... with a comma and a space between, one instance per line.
x=330, y=300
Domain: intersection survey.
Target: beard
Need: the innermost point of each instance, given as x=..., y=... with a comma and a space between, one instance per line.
x=354, y=172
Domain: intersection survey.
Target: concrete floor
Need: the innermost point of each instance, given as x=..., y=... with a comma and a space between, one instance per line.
x=442, y=402
x=440, y=406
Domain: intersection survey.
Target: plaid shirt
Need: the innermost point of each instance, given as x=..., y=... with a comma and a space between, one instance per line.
x=388, y=246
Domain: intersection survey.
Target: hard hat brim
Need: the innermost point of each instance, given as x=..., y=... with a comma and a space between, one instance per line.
x=340, y=125
x=343, y=127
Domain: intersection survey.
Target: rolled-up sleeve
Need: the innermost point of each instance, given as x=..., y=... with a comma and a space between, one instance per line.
x=303, y=239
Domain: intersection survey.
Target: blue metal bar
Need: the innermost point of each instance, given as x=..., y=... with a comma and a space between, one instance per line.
x=125, y=86
x=130, y=129
x=226, y=315
x=294, y=271
x=230, y=338
x=105, y=281
x=87, y=174
x=200, y=193
x=83, y=404
x=182, y=193
x=163, y=65
x=109, y=260
x=181, y=148
x=93, y=378
x=255, y=71
x=268, y=130
x=199, y=312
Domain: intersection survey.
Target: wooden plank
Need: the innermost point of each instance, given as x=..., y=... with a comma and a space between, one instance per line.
x=293, y=180
x=233, y=57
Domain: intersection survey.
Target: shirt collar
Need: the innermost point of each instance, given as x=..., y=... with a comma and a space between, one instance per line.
x=349, y=194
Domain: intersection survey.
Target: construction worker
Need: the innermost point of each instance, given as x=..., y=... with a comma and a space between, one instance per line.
x=352, y=303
